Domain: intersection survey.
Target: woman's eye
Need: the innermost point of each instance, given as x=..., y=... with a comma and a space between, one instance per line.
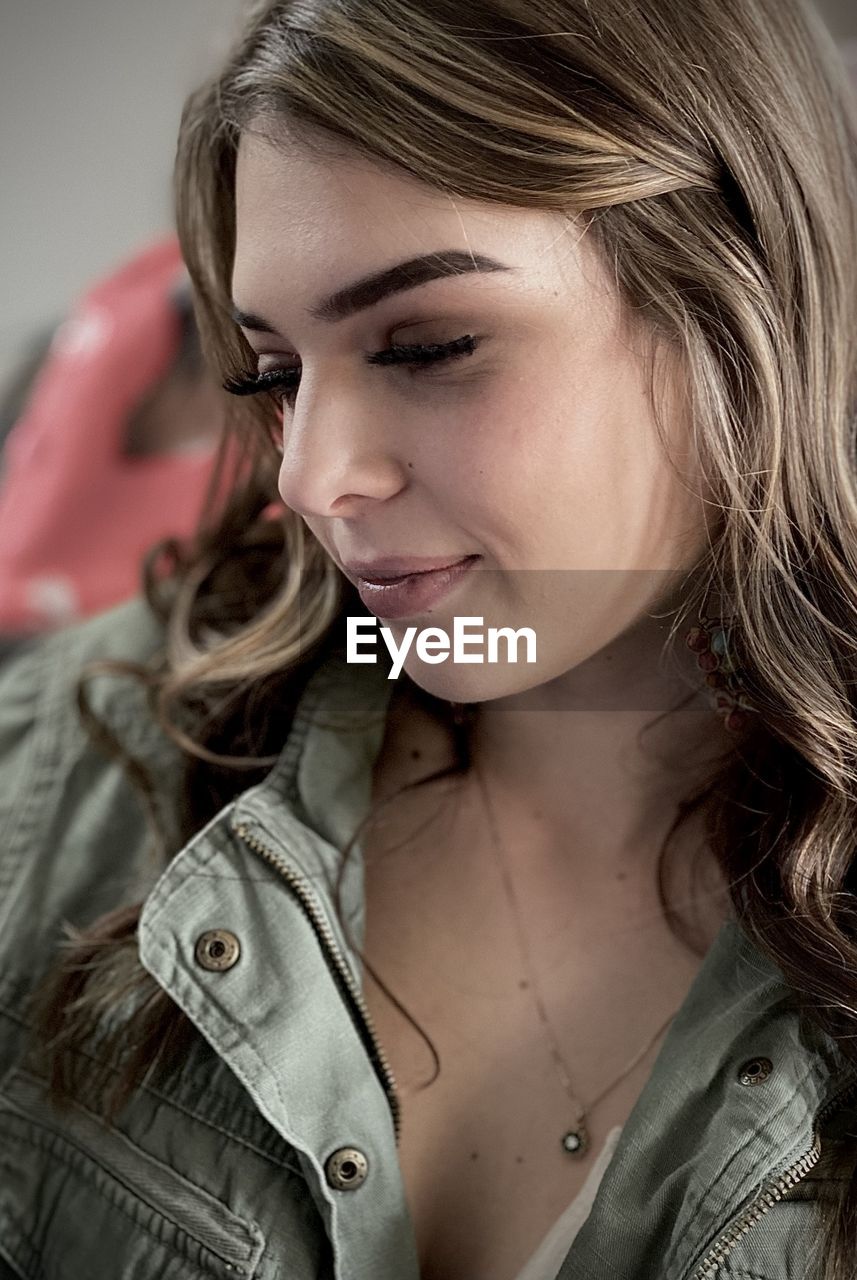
x=419, y=357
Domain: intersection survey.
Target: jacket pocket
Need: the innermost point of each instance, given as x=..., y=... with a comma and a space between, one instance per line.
x=78, y=1198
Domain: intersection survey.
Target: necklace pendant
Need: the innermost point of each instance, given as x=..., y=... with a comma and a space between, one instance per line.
x=576, y=1141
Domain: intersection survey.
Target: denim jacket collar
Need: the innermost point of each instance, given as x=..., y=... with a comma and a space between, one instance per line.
x=696, y=1150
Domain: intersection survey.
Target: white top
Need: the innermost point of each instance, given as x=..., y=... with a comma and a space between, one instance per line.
x=545, y=1263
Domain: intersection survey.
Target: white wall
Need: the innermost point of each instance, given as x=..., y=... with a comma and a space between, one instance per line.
x=90, y=99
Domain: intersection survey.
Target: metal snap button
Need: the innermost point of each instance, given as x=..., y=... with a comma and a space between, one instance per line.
x=217, y=949
x=346, y=1169
x=755, y=1070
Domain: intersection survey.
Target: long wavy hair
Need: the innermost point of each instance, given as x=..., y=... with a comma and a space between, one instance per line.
x=712, y=150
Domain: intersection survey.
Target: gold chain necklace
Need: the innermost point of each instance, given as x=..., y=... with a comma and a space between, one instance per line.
x=575, y=1140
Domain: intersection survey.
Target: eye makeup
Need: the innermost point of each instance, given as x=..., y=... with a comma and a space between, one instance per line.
x=417, y=356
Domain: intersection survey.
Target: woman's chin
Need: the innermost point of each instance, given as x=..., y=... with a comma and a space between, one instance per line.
x=459, y=682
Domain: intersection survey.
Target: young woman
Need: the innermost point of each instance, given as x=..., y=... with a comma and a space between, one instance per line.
x=502, y=970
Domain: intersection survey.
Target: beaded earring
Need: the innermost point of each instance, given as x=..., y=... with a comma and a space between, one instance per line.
x=710, y=641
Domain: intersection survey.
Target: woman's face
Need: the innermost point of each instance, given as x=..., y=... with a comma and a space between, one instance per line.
x=536, y=452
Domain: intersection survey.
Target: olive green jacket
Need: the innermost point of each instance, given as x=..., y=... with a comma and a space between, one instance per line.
x=272, y=1152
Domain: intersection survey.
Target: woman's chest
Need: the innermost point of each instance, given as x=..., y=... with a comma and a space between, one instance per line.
x=483, y=1167
x=481, y=1154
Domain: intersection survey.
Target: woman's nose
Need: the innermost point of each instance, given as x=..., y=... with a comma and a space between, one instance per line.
x=336, y=451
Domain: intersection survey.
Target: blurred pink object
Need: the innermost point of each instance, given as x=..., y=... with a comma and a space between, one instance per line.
x=76, y=513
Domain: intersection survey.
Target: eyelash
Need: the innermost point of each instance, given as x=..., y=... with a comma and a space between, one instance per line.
x=416, y=356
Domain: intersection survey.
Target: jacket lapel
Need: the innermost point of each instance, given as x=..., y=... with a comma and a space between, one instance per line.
x=699, y=1143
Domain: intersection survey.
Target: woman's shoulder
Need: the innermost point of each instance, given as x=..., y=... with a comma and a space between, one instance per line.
x=38, y=677
x=66, y=805
x=130, y=630
x=43, y=739
x=38, y=681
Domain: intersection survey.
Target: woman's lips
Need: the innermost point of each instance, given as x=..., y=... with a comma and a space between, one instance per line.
x=412, y=593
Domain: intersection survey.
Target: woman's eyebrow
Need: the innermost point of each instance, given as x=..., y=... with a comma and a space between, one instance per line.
x=374, y=288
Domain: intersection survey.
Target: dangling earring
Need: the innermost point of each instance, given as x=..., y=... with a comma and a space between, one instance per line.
x=710, y=640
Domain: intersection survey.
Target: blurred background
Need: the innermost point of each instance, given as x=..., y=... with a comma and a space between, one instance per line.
x=105, y=408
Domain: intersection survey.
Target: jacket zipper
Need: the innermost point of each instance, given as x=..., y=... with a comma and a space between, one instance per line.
x=310, y=904
x=770, y=1195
